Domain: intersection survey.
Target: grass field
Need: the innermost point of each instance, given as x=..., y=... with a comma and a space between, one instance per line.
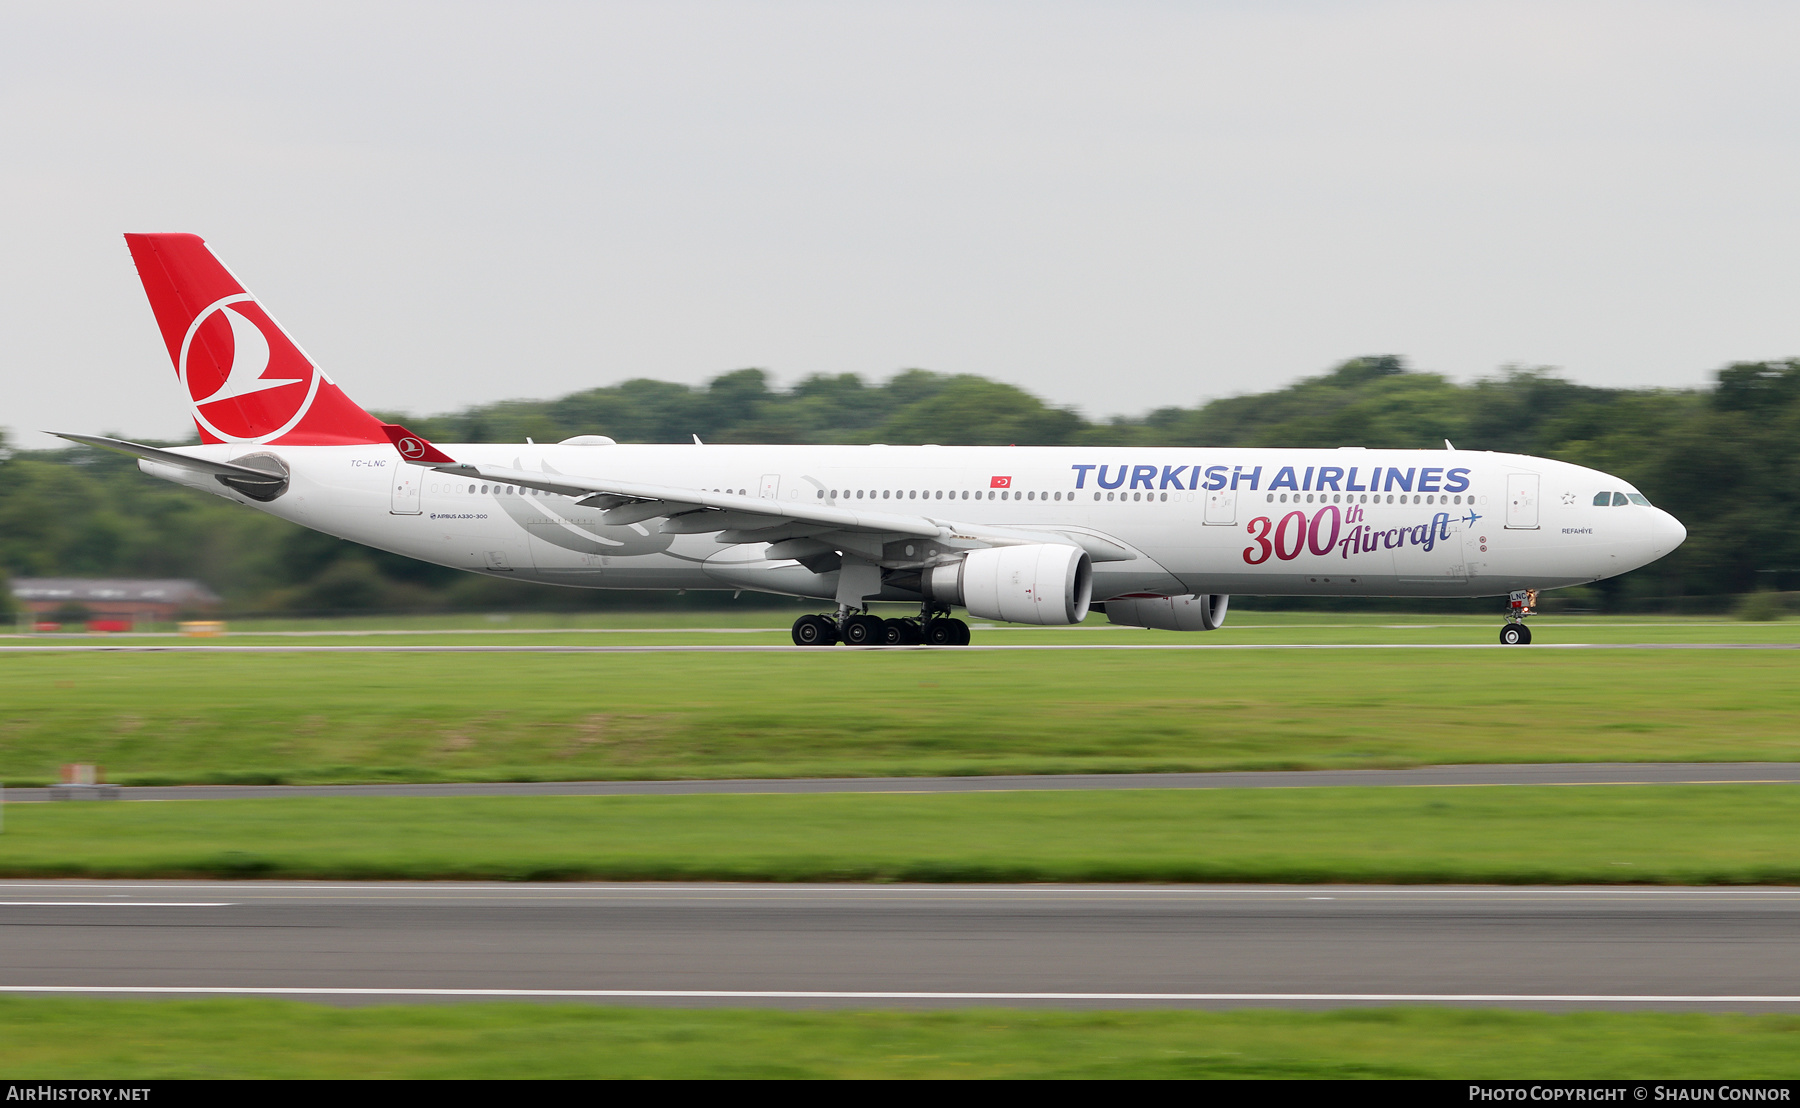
x=88, y=1039
x=173, y=718
x=307, y=717
x=1703, y=834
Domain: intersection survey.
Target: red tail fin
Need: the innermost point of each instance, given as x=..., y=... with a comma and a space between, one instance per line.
x=246, y=380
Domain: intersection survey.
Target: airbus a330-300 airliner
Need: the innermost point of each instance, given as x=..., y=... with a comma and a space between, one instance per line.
x=1161, y=537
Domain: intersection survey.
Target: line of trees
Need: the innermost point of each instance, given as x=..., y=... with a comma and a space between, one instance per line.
x=1725, y=459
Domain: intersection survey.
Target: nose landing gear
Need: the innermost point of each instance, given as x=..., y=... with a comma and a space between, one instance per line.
x=1523, y=604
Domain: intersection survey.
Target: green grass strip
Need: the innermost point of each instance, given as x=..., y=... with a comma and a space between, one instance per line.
x=160, y=719
x=1709, y=834
x=46, y=1038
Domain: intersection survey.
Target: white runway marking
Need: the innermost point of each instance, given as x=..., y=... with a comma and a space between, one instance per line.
x=502, y=892
x=812, y=994
x=116, y=903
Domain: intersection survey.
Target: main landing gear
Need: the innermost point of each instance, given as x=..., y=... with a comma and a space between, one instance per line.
x=1523, y=604
x=815, y=631
x=934, y=627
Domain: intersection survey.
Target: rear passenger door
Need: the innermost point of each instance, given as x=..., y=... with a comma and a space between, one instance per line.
x=408, y=490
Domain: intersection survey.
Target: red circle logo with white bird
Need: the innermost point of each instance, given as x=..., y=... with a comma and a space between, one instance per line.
x=247, y=380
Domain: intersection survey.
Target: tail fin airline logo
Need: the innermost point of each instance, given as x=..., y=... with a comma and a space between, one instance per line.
x=247, y=380
x=409, y=447
x=1000, y=482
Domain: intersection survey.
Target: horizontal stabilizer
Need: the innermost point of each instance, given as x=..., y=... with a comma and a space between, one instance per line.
x=414, y=448
x=170, y=457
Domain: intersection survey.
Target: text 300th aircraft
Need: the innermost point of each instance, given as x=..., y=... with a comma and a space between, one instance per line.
x=1162, y=537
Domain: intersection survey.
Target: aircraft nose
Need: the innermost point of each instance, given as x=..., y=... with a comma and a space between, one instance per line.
x=1666, y=532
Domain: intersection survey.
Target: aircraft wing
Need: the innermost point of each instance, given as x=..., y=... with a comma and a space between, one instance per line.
x=748, y=519
x=633, y=502
x=245, y=474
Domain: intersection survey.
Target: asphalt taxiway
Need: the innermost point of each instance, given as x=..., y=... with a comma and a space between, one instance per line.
x=861, y=945
x=1468, y=776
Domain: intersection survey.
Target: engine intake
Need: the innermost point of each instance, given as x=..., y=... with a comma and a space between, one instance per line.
x=1205, y=612
x=1042, y=583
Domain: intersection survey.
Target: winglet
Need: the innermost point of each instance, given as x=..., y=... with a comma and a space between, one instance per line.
x=414, y=448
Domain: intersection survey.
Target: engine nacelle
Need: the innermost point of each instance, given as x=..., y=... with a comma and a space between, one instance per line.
x=1042, y=583
x=1171, y=613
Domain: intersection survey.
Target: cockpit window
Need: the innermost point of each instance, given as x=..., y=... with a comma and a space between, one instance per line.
x=1639, y=498
x=1602, y=499
x=1619, y=499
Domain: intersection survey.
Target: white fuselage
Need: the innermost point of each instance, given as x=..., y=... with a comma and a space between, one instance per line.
x=1186, y=520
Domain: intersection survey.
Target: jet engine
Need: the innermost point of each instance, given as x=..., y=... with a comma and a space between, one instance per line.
x=1171, y=613
x=1041, y=583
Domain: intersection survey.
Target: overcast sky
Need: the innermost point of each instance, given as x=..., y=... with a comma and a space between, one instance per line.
x=1116, y=205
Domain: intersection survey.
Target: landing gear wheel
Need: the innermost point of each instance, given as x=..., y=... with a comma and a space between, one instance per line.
x=899, y=632
x=939, y=632
x=815, y=631
x=863, y=631
x=1515, y=634
x=958, y=631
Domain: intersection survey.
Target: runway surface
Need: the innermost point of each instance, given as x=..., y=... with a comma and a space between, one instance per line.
x=779, y=648
x=1313, y=946
x=1576, y=773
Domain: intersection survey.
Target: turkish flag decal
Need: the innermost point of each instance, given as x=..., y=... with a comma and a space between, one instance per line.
x=1000, y=482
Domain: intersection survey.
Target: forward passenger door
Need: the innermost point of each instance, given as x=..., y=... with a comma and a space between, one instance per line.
x=1522, y=501
x=1221, y=508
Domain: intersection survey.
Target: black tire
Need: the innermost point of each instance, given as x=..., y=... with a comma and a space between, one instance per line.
x=960, y=631
x=814, y=631
x=939, y=632
x=1515, y=634
x=863, y=631
x=900, y=632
